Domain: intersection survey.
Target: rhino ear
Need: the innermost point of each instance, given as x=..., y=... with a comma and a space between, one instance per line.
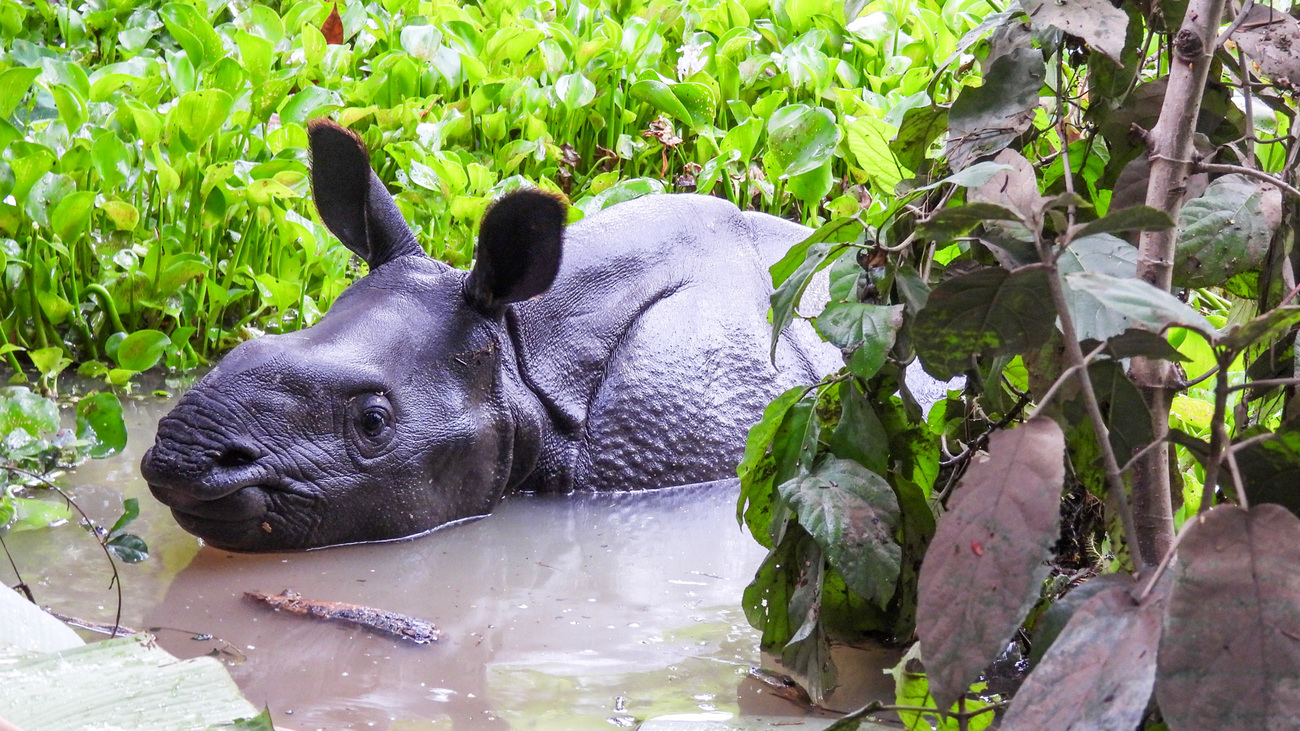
x=518, y=252
x=351, y=200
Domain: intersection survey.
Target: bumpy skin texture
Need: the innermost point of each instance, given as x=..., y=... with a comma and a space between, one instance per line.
x=419, y=400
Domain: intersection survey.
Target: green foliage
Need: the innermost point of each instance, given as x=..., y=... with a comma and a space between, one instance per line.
x=1009, y=259
x=154, y=178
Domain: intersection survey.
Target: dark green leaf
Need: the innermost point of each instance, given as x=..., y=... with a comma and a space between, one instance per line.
x=800, y=138
x=920, y=127
x=870, y=329
x=951, y=223
x=987, y=118
x=1134, y=218
x=1269, y=469
x=1133, y=343
x=838, y=231
x=1121, y=403
x=860, y=435
x=128, y=547
x=984, y=313
x=852, y=513
x=1226, y=231
x=786, y=297
x=1270, y=325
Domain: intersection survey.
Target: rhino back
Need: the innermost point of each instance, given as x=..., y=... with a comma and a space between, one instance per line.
x=650, y=351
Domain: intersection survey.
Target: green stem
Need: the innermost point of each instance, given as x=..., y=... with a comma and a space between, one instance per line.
x=106, y=302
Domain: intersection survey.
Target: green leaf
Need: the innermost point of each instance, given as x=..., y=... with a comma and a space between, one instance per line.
x=868, y=329
x=1133, y=218
x=985, y=313
x=99, y=421
x=920, y=127
x=868, y=139
x=70, y=216
x=852, y=513
x=14, y=84
x=800, y=138
x=22, y=409
x=1272, y=324
x=193, y=32
x=308, y=103
x=141, y=350
x=574, y=91
x=125, y=217
x=661, y=97
x=49, y=361
x=130, y=511
x=35, y=514
x=786, y=297
x=951, y=223
x=200, y=114
x=1134, y=298
x=129, y=547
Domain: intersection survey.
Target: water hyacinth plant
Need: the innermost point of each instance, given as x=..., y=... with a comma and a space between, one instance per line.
x=153, y=179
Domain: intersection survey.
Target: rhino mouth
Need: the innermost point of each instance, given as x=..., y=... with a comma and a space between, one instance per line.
x=247, y=517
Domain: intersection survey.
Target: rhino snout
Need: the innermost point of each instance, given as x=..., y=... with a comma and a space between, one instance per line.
x=202, y=471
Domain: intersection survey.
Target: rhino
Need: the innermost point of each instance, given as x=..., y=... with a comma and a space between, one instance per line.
x=627, y=351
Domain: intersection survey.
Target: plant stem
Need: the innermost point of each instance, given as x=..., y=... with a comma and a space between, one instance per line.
x=1171, y=156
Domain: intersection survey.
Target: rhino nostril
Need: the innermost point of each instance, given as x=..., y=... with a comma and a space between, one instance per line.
x=237, y=454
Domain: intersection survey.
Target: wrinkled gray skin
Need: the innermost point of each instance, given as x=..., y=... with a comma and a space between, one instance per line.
x=424, y=395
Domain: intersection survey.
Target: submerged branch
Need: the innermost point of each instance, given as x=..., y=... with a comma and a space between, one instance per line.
x=381, y=621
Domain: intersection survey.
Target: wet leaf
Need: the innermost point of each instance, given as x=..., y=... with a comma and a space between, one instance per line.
x=800, y=138
x=128, y=547
x=986, y=562
x=1270, y=38
x=1226, y=231
x=14, y=84
x=1230, y=654
x=1100, y=24
x=1100, y=671
x=985, y=119
x=987, y=312
x=31, y=412
x=852, y=513
x=767, y=598
x=99, y=421
x=1143, y=303
x=332, y=28
x=130, y=511
x=141, y=350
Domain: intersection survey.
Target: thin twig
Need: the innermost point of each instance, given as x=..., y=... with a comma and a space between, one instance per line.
x=22, y=585
x=1195, y=381
x=1166, y=559
x=1273, y=180
x=115, y=582
x=1065, y=376
x=1231, y=458
x=1265, y=383
x=1218, y=439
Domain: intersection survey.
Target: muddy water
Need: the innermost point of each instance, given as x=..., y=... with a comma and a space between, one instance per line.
x=575, y=612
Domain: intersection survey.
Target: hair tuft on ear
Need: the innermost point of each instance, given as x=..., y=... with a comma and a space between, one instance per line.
x=518, y=254
x=350, y=198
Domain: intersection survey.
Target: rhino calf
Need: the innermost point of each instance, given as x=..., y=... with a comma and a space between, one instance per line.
x=637, y=360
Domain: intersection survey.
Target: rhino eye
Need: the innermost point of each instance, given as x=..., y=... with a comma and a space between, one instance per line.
x=373, y=420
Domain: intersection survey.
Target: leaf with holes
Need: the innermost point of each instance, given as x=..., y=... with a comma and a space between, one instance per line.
x=1100, y=24
x=852, y=512
x=1100, y=671
x=988, y=557
x=1230, y=659
x=987, y=312
x=1226, y=231
x=1271, y=38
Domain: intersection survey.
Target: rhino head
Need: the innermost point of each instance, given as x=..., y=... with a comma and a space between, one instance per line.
x=402, y=410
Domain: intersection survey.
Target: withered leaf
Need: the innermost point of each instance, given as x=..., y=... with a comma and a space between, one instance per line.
x=1099, y=673
x=1271, y=37
x=332, y=29
x=985, y=565
x=1230, y=655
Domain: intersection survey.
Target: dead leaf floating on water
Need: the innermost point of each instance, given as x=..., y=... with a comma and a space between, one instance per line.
x=333, y=28
x=381, y=621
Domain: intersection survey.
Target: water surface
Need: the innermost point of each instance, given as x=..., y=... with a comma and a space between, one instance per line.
x=586, y=611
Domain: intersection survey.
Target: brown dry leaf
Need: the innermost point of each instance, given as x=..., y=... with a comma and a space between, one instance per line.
x=1230, y=655
x=1272, y=40
x=1099, y=673
x=333, y=28
x=985, y=565
x=1015, y=189
x=661, y=129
